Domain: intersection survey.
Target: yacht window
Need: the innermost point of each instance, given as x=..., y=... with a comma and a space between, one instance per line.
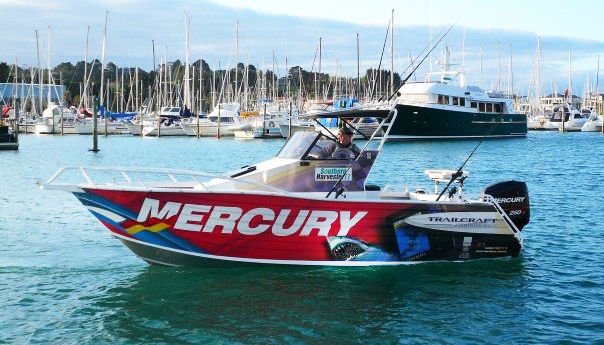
x=455, y=100
x=175, y=110
x=481, y=107
x=462, y=101
x=442, y=99
x=489, y=107
x=417, y=98
x=473, y=105
x=498, y=107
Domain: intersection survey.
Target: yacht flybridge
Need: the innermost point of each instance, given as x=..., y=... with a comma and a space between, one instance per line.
x=302, y=207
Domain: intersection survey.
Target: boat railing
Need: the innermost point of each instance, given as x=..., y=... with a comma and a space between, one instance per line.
x=132, y=178
x=490, y=199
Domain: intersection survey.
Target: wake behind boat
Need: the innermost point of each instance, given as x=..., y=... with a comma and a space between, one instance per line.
x=310, y=205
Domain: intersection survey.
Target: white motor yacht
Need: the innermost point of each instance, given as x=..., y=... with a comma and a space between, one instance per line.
x=224, y=115
x=573, y=119
x=594, y=120
x=169, y=123
x=56, y=119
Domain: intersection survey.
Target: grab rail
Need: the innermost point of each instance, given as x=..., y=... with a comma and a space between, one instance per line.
x=131, y=176
x=490, y=199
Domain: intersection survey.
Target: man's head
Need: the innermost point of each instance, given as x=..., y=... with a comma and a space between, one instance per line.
x=345, y=136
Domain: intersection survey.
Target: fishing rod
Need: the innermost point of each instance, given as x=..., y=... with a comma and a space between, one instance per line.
x=422, y=60
x=459, y=173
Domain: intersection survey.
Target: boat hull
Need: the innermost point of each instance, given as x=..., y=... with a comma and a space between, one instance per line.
x=217, y=229
x=419, y=122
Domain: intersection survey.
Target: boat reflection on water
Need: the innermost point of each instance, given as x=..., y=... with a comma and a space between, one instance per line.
x=307, y=304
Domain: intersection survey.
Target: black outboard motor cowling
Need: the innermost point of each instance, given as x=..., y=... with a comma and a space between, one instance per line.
x=513, y=197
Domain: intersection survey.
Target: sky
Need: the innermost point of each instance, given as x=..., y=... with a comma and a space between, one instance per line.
x=292, y=29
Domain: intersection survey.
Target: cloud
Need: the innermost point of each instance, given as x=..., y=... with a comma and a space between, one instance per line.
x=134, y=24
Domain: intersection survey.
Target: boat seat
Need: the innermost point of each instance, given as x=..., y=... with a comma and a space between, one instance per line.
x=394, y=195
x=372, y=188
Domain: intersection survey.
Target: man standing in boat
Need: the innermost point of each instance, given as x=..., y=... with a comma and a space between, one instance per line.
x=343, y=148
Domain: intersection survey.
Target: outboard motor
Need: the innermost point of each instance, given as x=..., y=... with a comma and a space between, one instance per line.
x=513, y=197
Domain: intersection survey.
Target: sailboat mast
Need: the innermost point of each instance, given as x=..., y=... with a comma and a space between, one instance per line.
x=480, y=80
x=274, y=93
x=40, y=77
x=49, y=71
x=236, y=60
x=570, y=82
x=122, y=101
x=187, y=87
x=598, y=87
x=392, y=55
x=167, y=97
x=136, y=100
x=102, y=98
x=358, y=69
x=539, y=69
x=85, y=93
x=498, y=66
x=320, y=52
x=511, y=75
x=155, y=80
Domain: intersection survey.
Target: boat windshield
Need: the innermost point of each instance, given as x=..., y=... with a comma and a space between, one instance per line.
x=298, y=144
x=308, y=145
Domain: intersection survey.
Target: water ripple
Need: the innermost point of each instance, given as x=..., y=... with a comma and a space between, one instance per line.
x=64, y=280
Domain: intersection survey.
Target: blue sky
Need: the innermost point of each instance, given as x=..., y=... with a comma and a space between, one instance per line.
x=292, y=29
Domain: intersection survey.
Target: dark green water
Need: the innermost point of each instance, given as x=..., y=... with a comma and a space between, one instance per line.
x=63, y=279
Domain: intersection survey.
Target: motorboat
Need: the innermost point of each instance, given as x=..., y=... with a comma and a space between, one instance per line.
x=222, y=121
x=168, y=122
x=573, y=118
x=141, y=120
x=85, y=126
x=117, y=123
x=56, y=119
x=269, y=121
x=8, y=139
x=302, y=207
x=594, y=120
x=538, y=122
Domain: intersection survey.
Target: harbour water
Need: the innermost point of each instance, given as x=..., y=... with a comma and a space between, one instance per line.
x=63, y=279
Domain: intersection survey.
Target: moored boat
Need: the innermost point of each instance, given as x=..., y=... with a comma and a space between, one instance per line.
x=594, y=120
x=8, y=139
x=441, y=110
x=56, y=119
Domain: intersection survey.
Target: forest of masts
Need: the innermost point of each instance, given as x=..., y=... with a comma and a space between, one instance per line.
x=132, y=89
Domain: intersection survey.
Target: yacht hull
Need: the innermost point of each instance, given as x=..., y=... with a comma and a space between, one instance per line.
x=418, y=122
x=217, y=229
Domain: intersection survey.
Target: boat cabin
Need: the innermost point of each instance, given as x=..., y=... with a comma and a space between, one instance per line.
x=309, y=162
